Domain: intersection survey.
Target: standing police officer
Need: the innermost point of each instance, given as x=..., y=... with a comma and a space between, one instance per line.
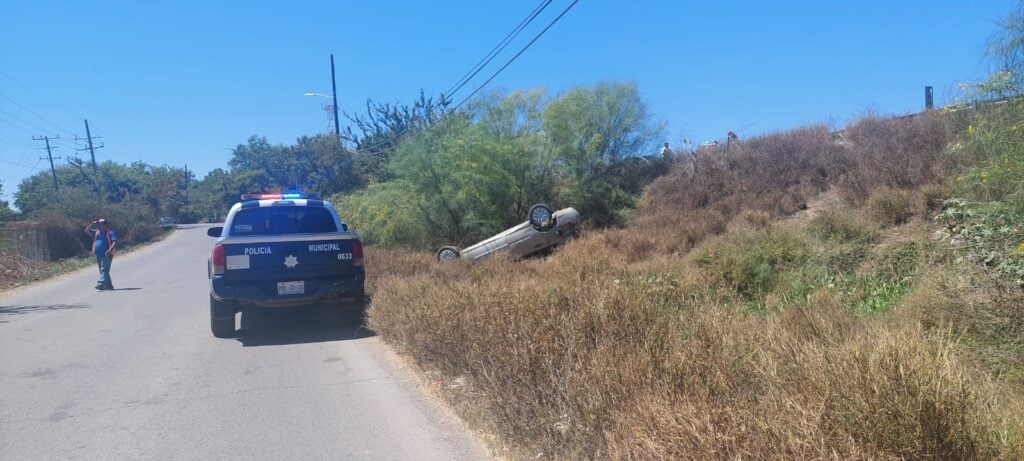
x=103, y=243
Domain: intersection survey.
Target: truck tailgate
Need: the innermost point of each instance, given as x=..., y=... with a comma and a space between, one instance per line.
x=290, y=257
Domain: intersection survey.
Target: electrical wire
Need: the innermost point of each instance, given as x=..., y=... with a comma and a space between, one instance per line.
x=17, y=126
x=521, y=51
x=69, y=143
x=496, y=50
x=41, y=130
x=492, y=77
x=44, y=98
x=26, y=109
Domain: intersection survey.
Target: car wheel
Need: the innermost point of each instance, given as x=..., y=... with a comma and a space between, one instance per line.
x=448, y=254
x=222, y=318
x=541, y=217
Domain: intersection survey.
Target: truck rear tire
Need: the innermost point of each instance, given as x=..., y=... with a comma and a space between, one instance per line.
x=222, y=318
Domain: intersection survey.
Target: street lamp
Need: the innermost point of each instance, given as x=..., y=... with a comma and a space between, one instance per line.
x=334, y=100
x=327, y=107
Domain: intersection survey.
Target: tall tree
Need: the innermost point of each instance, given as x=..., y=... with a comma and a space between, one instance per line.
x=592, y=129
x=379, y=131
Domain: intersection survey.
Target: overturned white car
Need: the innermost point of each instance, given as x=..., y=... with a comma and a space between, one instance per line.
x=544, y=230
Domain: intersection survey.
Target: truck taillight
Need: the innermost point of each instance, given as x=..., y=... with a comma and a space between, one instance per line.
x=357, y=253
x=218, y=260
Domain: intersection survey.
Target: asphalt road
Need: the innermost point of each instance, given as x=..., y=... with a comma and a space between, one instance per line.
x=135, y=374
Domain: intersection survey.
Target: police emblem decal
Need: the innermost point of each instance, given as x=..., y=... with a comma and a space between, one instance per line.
x=291, y=261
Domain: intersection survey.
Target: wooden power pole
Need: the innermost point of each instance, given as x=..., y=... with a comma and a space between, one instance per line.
x=49, y=154
x=91, y=148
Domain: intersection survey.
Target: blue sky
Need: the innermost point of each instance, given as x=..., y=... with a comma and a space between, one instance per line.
x=181, y=82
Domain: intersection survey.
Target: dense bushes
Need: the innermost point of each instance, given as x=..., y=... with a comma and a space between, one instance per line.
x=478, y=172
x=896, y=153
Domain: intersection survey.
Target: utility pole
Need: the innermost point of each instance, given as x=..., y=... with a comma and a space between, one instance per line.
x=49, y=154
x=334, y=96
x=91, y=149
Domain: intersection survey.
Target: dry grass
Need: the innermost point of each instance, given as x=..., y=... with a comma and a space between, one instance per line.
x=708, y=331
x=584, y=355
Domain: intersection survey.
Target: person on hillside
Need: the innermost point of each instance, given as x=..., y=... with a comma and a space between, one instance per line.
x=666, y=152
x=103, y=243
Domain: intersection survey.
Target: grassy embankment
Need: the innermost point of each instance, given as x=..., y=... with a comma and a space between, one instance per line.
x=794, y=299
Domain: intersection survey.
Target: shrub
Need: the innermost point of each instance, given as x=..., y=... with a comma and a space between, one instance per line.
x=842, y=226
x=891, y=206
x=901, y=153
x=995, y=155
x=748, y=262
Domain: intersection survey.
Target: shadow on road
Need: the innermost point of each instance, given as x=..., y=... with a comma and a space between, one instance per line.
x=24, y=309
x=269, y=327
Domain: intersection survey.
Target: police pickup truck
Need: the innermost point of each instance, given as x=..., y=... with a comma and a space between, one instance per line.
x=282, y=250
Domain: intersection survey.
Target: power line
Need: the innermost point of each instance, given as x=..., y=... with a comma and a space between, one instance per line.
x=23, y=121
x=33, y=113
x=566, y=10
x=19, y=164
x=496, y=50
x=521, y=51
x=16, y=126
x=44, y=98
x=15, y=146
x=21, y=157
x=14, y=141
x=129, y=149
x=37, y=127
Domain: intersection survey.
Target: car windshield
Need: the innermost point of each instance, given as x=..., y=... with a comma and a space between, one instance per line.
x=282, y=220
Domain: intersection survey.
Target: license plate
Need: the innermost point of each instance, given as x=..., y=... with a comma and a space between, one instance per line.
x=291, y=288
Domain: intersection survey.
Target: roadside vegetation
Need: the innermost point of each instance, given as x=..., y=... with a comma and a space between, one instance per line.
x=813, y=293
x=45, y=237
x=852, y=294
x=744, y=313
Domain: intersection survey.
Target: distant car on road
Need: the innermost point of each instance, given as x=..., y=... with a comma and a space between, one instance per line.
x=543, y=230
x=282, y=250
x=166, y=221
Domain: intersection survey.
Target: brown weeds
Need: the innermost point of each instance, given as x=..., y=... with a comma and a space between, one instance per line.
x=628, y=345
x=585, y=355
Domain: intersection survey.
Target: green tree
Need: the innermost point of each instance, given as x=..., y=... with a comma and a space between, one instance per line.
x=6, y=213
x=1007, y=49
x=379, y=131
x=592, y=130
x=313, y=164
x=477, y=172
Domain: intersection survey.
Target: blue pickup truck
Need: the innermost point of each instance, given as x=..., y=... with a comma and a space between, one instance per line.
x=282, y=250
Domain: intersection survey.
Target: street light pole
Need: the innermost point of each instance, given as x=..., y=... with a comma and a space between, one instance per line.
x=334, y=96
